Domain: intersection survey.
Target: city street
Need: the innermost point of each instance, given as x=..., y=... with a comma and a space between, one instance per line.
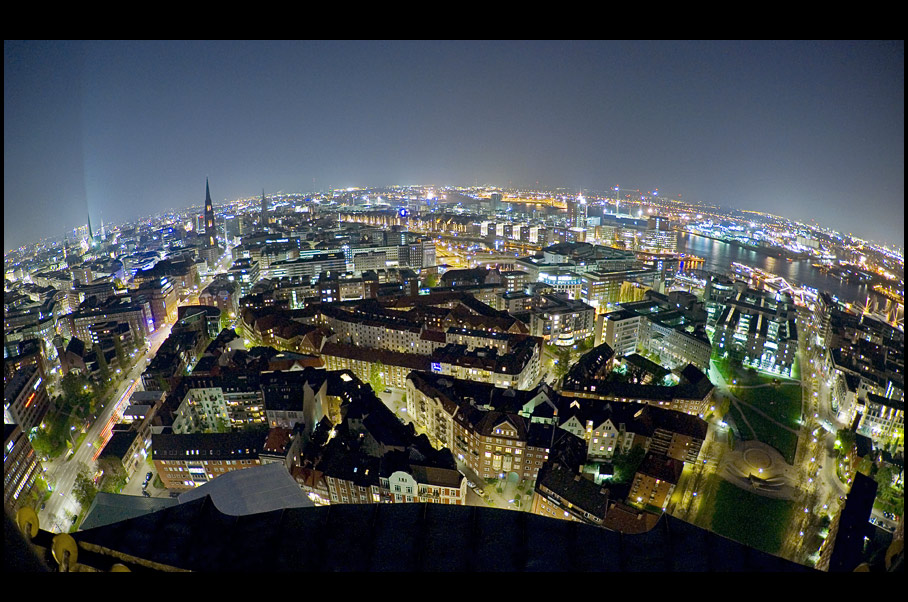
x=61, y=473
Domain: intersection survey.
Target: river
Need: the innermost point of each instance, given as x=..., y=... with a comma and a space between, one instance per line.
x=720, y=255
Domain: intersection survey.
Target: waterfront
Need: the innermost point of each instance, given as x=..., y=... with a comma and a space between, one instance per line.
x=719, y=256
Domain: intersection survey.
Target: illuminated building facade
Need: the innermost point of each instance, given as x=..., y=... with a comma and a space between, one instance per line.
x=25, y=399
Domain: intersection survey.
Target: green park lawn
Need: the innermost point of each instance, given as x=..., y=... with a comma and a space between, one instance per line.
x=753, y=520
x=780, y=401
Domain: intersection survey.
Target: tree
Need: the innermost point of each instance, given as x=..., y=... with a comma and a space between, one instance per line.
x=883, y=477
x=49, y=441
x=626, y=464
x=84, y=489
x=163, y=383
x=376, y=376
x=103, y=368
x=114, y=474
x=40, y=491
x=75, y=400
x=563, y=361
x=122, y=360
x=846, y=439
x=138, y=335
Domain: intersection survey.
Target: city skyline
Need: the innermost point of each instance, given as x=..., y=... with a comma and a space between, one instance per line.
x=811, y=131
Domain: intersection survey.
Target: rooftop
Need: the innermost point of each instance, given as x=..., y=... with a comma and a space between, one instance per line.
x=415, y=537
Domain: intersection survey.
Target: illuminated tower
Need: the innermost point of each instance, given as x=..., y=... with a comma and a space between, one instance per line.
x=571, y=205
x=209, y=217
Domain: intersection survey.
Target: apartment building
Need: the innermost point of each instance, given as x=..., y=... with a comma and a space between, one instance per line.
x=184, y=461
x=488, y=428
x=655, y=480
x=21, y=468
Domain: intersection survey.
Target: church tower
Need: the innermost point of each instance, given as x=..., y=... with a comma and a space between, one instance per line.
x=209, y=217
x=264, y=209
x=91, y=237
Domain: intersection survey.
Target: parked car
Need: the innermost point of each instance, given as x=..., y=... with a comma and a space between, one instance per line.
x=148, y=477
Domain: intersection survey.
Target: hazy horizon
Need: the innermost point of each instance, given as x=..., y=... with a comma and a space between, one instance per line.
x=805, y=130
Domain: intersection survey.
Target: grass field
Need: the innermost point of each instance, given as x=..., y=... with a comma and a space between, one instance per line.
x=768, y=432
x=780, y=401
x=753, y=520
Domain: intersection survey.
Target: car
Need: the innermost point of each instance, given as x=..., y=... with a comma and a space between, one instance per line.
x=471, y=484
x=148, y=477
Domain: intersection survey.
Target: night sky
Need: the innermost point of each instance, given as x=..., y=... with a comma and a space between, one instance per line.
x=807, y=130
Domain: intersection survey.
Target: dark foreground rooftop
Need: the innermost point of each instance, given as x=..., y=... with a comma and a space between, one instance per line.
x=408, y=537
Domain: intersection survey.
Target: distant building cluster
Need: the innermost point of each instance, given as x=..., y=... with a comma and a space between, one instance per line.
x=286, y=328
x=863, y=360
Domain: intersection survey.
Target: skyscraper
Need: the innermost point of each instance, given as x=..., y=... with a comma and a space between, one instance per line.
x=496, y=202
x=209, y=217
x=576, y=212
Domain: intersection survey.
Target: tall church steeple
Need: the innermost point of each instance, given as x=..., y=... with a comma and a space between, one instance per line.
x=92, y=242
x=264, y=209
x=209, y=217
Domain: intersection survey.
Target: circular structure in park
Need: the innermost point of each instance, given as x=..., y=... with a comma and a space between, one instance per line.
x=757, y=459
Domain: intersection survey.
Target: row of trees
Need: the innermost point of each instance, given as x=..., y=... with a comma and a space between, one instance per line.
x=113, y=479
x=79, y=401
x=73, y=409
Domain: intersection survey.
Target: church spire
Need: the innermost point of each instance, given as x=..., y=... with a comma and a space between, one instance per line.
x=264, y=208
x=209, y=217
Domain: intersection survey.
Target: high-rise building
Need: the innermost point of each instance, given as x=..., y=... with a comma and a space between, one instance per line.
x=209, y=217
x=496, y=202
